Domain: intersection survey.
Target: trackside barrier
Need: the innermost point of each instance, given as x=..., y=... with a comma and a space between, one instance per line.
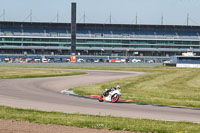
x=188, y=65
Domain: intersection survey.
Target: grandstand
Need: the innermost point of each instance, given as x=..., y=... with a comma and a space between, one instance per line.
x=42, y=38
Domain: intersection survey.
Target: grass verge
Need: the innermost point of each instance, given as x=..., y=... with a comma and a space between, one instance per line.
x=160, y=86
x=98, y=122
x=11, y=73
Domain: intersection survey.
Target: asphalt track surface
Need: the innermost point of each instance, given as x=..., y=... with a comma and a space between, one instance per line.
x=44, y=94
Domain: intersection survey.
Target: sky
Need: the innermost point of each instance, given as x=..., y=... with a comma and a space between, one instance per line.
x=174, y=12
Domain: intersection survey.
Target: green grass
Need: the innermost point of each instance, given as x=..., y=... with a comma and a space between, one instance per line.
x=11, y=73
x=98, y=122
x=160, y=86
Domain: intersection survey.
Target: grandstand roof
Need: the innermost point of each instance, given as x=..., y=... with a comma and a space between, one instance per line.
x=97, y=26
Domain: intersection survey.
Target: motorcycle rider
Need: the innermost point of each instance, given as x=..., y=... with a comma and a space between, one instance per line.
x=106, y=93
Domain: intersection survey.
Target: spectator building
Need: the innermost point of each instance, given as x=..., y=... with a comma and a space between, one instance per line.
x=42, y=38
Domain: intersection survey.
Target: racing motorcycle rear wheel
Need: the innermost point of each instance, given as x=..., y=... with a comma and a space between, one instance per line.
x=115, y=98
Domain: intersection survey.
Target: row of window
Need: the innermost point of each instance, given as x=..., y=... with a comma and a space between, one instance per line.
x=100, y=41
x=35, y=39
x=93, y=46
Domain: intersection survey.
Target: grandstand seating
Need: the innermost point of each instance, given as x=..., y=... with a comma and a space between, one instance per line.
x=100, y=34
x=100, y=31
x=113, y=38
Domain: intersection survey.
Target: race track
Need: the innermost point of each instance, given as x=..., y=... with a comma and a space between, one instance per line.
x=44, y=94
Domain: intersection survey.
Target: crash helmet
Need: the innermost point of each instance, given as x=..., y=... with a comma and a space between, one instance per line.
x=118, y=86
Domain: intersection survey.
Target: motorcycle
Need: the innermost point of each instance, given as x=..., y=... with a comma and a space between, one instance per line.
x=110, y=96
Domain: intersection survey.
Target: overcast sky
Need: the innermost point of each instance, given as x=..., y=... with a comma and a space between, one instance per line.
x=98, y=11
